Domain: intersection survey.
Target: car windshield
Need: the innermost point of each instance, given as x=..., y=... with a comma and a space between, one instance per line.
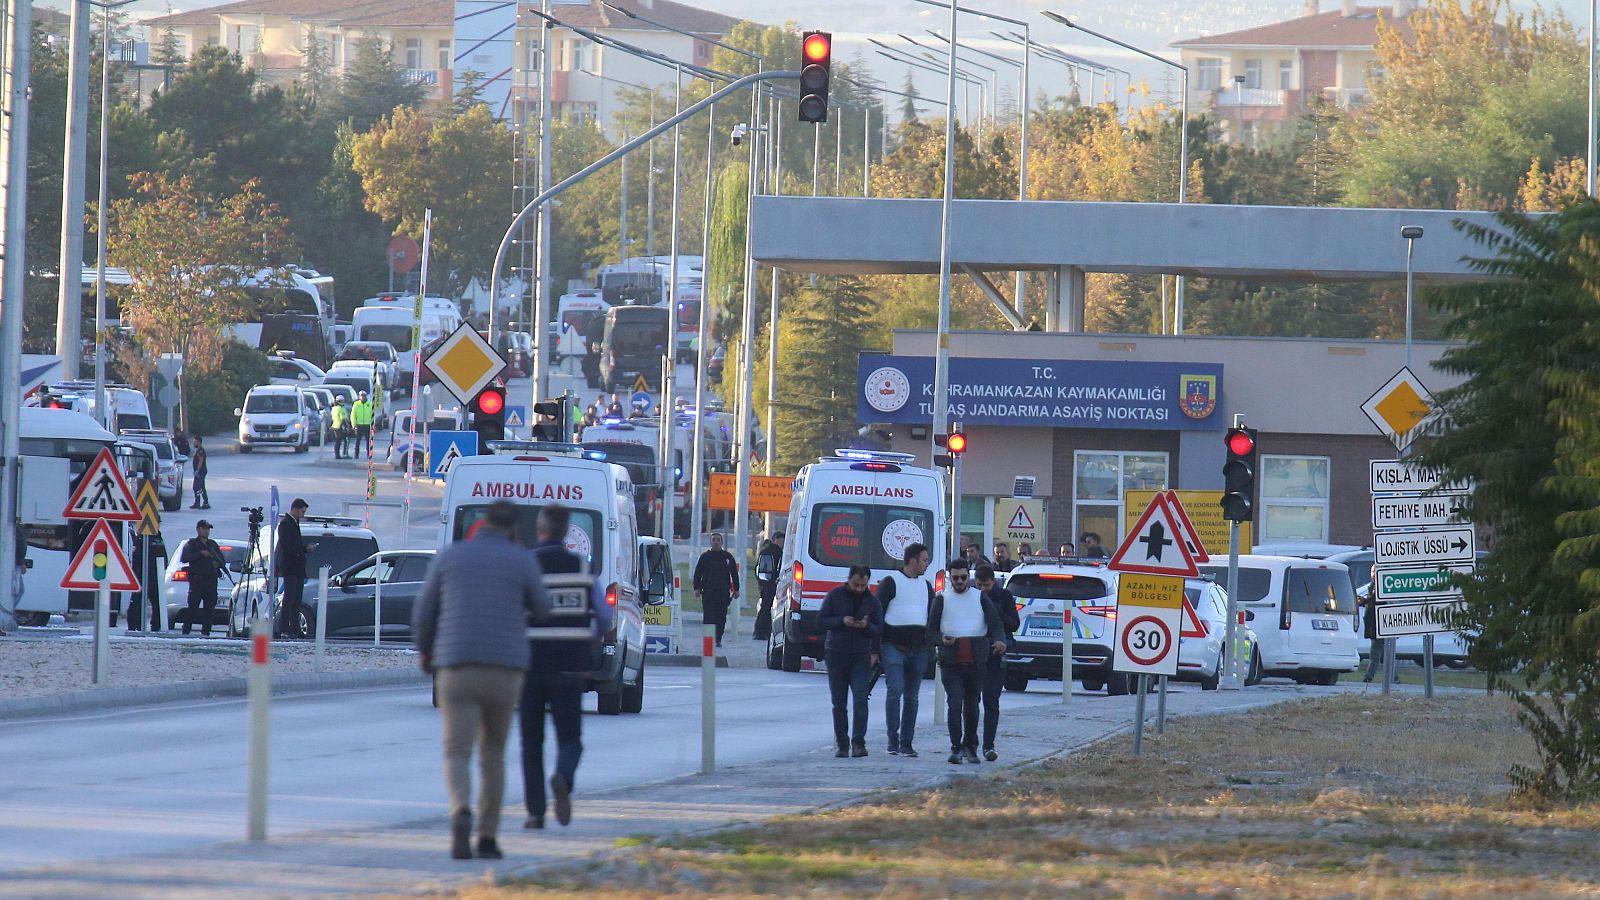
x=271, y=403
x=366, y=350
x=1055, y=586
x=581, y=532
x=846, y=534
x=1319, y=591
x=132, y=420
x=639, y=460
x=1253, y=583
x=638, y=337
x=354, y=384
x=398, y=336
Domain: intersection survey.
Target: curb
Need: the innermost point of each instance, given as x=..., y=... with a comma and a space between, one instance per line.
x=111, y=698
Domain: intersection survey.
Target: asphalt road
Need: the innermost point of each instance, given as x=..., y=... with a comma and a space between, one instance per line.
x=160, y=779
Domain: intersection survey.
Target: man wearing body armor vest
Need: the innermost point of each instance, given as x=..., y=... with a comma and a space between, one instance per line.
x=906, y=597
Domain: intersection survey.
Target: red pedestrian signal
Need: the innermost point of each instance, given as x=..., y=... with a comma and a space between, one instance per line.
x=816, y=52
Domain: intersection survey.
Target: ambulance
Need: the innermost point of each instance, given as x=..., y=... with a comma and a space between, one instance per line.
x=857, y=506
x=603, y=533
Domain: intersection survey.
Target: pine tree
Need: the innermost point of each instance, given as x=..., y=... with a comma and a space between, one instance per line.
x=908, y=106
x=166, y=52
x=821, y=333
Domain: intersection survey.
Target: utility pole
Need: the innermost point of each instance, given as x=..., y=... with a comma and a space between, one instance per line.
x=69, y=291
x=14, y=150
x=542, y=303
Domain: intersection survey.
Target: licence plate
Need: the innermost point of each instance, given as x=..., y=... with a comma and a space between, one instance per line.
x=1044, y=627
x=1324, y=625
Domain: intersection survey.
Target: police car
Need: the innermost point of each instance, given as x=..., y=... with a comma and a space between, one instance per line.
x=1048, y=587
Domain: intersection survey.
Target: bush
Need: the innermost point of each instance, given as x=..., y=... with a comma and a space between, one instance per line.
x=212, y=397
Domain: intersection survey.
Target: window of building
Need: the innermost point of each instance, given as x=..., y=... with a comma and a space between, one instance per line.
x=413, y=53
x=336, y=51
x=446, y=60
x=1208, y=73
x=247, y=40
x=1100, y=479
x=576, y=55
x=1294, y=498
x=1252, y=74
x=1285, y=75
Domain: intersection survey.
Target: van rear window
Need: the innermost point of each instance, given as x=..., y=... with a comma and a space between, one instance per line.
x=846, y=534
x=1042, y=586
x=1253, y=583
x=1319, y=591
x=581, y=532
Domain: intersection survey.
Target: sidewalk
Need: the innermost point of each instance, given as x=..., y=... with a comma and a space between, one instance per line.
x=413, y=859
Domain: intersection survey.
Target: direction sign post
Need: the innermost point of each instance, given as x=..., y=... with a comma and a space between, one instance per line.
x=100, y=566
x=1428, y=511
x=1436, y=546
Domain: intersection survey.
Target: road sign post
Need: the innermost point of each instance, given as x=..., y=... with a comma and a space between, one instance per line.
x=100, y=566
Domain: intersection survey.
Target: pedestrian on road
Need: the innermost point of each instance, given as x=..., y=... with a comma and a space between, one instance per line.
x=361, y=417
x=291, y=567
x=907, y=600
x=202, y=497
x=557, y=671
x=1090, y=547
x=994, y=674
x=967, y=629
x=470, y=628
x=853, y=621
x=716, y=580
x=768, y=560
x=341, y=427
x=1378, y=650
x=1002, y=559
x=203, y=560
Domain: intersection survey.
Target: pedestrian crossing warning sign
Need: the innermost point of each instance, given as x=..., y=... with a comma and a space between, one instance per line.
x=514, y=417
x=103, y=493
x=1019, y=519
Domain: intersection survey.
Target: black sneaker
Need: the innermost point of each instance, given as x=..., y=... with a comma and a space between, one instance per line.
x=858, y=750
x=955, y=757
x=894, y=749
x=970, y=756
x=461, y=836
x=989, y=754
x=563, y=797
x=907, y=750
x=488, y=849
x=533, y=822
x=842, y=753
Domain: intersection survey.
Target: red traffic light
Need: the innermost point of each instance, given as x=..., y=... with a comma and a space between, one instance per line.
x=1240, y=443
x=958, y=443
x=817, y=47
x=491, y=402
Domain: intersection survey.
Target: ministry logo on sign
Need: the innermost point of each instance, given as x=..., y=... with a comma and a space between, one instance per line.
x=887, y=389
x=1199, y=395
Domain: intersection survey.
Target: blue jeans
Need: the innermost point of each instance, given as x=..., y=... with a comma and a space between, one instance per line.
x=849, y=674
x=903, y=670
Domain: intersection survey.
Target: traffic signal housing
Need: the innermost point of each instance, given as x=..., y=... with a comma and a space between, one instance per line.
x=816, y=60
x=954, y=445
x=1239, y=475
x=489, y=416
x=560, y=429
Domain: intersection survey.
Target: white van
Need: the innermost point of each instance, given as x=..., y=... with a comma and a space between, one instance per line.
x=274, y=415
x=857, y=506
x=574, y=314
x=389, y=318
x=1303, y=612
x=603, y=533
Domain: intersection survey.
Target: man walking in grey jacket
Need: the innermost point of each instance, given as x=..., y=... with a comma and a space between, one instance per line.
x=470, y=626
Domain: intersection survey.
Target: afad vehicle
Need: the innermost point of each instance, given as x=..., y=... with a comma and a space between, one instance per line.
x=603, y=533
x=857, y=506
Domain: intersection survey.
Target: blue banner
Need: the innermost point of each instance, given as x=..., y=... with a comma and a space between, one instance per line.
x=1044, y=393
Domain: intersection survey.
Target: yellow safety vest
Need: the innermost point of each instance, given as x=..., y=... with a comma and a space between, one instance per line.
x=361, y=413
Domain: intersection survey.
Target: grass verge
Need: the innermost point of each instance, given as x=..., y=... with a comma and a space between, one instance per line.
x=1357, y=796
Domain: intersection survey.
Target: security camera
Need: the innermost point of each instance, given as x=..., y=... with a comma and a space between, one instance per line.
x=739, y=131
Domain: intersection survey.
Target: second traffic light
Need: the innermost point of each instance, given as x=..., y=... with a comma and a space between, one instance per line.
x=1239, y=475
x=489, y=416
x=955, y=443
x=816, y=53
x=559, y=429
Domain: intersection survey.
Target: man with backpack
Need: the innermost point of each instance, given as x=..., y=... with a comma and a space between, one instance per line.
x=557, y=670
x=906, y=597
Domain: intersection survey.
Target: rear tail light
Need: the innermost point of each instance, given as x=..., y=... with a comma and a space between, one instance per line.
x=938, y=582
x=611, y=594
x=1021, y=604
x=1283, y=616
x=180, y=575
x=1241, y=621
x=797, y=586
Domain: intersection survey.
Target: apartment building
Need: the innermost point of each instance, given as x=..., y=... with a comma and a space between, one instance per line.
x=1285, y=64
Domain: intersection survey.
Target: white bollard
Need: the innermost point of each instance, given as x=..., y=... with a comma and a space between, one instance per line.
x=708, y=701
x=260, y=710
x=322, y=611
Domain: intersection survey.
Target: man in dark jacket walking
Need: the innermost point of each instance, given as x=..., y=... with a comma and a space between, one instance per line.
x=966, y=629
x=768, y=561
x=469, y=625
x=202, y=497
x=994, y=674
x=555, y=682
x=716, y=580
x=853, y=622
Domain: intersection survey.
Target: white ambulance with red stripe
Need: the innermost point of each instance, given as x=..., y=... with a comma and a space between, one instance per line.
x=857, y=506
x=603, y=533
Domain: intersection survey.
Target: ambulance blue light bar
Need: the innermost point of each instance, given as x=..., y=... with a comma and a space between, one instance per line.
x=599, y=455
x=536, y=447
x=873, y=455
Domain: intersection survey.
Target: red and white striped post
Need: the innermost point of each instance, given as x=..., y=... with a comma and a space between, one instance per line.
x=708, y=701
x=260, y=698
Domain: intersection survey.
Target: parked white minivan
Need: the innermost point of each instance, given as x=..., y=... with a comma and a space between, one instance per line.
x=273, y=415
x=603, y=533
x=1303, y=612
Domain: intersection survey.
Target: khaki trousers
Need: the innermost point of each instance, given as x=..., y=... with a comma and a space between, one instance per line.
x=477, y=704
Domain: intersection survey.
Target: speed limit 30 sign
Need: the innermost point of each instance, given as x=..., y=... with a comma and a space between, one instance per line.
x=1149, y=621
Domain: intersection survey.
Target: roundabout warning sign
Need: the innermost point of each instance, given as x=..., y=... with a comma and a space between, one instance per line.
x=1149, y=620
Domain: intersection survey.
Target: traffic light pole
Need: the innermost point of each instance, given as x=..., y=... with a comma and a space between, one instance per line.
x=1230, y=676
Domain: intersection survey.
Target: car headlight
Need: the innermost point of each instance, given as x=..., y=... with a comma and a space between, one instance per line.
x=299, y=425
x=244, y=422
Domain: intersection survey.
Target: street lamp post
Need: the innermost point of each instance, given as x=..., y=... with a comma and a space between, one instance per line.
x=100, y=222
x=1410, y=233
x=941, y=365
x=1183, y=137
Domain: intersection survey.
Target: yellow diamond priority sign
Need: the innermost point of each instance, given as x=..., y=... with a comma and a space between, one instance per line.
x=465, y=363
x=1397, y=408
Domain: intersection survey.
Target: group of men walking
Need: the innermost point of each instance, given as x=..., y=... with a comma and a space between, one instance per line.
x=471, y=629
x=969, y=626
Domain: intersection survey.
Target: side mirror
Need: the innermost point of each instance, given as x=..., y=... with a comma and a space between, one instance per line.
x=1249, y=615
x=237, y=411
x=182, y=459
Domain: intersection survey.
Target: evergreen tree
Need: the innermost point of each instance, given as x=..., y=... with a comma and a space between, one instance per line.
x=908, y=105
x=166, y=51
x=821, y=333
x=374, y=86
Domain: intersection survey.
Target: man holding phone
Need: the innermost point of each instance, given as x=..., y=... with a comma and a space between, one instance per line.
x=853, y=621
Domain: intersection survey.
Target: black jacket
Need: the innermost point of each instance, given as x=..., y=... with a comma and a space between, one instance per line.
x=1005, y=606
x=291, y=549
x=841, y=602
x=203, y=558
x=980, y=649
x=716, y=574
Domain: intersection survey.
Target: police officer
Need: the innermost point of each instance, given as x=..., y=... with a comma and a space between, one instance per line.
x=203, y=560
x=768, y=561
x=361, y=417
x=341, y=427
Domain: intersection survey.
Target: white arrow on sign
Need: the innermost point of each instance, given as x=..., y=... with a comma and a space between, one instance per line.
x=1417, y=512
x=1436, y=545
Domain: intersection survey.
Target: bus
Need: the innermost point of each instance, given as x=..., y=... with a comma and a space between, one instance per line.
x=55, y=433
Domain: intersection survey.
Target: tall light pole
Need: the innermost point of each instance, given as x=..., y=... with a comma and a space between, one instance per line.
x=1183, y=137
x=1410, y=233
x=941, y=363
x=103, y=408
x=543, y=301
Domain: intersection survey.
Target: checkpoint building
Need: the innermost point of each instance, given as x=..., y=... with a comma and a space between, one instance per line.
x=1093, y=416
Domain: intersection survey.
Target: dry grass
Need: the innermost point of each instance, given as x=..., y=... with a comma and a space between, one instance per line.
x=1349, y=796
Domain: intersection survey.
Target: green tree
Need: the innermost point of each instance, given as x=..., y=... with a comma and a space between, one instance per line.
x=1522, y=427
x=821, y=333
x=374, y=86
